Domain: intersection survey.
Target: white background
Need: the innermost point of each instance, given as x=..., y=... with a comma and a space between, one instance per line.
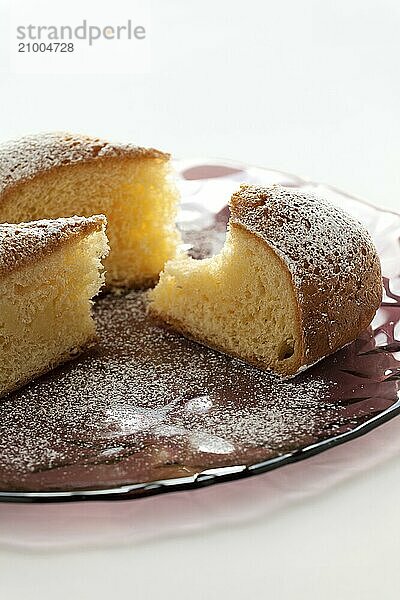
x=307, y=86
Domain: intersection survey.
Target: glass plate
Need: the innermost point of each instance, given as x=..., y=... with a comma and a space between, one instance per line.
x=149, y=411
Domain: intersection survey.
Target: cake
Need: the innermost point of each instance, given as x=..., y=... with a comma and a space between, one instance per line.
x=55, y=175
x=49, y=271
x=296, y=280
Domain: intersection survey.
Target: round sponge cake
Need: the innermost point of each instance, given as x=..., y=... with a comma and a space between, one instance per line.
x=54, y=175
x=49, y=271
x=297, y=279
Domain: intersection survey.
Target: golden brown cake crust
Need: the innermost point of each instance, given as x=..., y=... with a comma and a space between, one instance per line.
x=30, y=156
x=332, y=260
x=25, y=243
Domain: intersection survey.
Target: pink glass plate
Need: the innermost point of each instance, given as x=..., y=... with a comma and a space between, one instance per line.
x=150, y=412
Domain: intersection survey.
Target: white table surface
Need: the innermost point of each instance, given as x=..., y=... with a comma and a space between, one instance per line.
x=305, y=86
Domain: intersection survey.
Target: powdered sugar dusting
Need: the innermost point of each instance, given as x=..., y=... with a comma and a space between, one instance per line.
x=312, y=235
x=148, y=400
x=25, y=242
x=331, y=258
x=24, y=158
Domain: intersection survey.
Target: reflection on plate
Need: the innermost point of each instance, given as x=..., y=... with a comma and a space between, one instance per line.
x=148, y=411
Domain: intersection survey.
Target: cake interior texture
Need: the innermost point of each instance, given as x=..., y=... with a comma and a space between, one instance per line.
x=137, y=196
x=240, y=301
x=45, y=309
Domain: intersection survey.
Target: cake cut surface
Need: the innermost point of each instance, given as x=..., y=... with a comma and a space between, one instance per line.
x=54, y=175
x=296, y=280
x=49, y=271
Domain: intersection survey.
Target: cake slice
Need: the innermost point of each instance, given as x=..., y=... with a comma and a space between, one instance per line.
x=49, y=271
x=297, y=279
x=55, y=175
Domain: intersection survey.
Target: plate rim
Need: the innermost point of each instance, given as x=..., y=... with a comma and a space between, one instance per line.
x=306, y=180
x=203, y=478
